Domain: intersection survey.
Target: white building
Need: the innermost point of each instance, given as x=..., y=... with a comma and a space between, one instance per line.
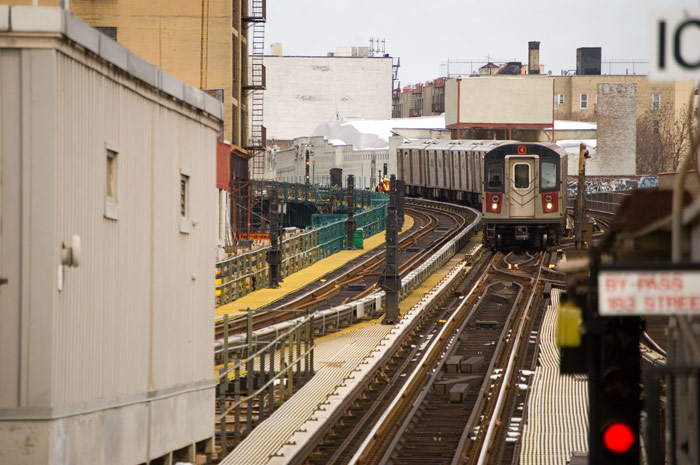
x=358, y=147
x=108, y=213
x=303, y=92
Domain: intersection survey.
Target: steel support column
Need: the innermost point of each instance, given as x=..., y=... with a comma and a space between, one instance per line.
x=390, y=279
x=350, y=223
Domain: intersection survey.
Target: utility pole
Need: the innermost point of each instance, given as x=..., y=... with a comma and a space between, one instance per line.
x=400, y=198
x=350, y=223
x=579, y=211
x=274, y=255
x=390, y=279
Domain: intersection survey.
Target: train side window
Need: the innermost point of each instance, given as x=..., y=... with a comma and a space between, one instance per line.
x=521, y=175
x=494, y=174
x=548, y=175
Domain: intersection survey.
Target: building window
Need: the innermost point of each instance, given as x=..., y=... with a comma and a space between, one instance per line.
x=655, y=126
x=111, y=169
x=184, y=202
x=655, y=101
x=584, y=101
x=558, y=100
x=109, y=31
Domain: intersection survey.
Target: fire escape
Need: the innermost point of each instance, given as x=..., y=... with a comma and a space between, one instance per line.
x=254, y=91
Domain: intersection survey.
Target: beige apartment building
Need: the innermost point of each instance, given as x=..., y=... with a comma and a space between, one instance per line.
x=205, y=44
x=575, y=96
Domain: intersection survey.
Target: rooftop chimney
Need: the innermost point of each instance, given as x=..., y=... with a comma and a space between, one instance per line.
x=276, y=50
x=533, y=58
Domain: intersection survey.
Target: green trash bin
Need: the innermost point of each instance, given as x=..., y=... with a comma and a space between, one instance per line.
x=359, y=235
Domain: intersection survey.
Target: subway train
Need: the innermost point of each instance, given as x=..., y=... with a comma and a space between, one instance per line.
x=520, y=187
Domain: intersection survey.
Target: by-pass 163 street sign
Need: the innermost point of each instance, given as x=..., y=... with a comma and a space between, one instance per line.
x=674, y=53
x=649, y=292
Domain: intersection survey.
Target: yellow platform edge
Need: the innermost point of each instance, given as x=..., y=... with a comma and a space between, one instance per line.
x=298, y=280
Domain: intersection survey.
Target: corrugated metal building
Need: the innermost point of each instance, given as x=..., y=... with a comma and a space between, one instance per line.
x=109, y=224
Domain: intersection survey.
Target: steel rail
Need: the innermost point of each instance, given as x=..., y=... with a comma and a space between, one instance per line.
x=507, y=378
x=434, y=350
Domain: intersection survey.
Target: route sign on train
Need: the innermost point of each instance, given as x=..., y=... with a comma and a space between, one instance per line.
x=674, y=51
x=650, y=292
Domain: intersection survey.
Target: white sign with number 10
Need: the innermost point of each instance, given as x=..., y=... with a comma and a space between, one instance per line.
x=674, y=52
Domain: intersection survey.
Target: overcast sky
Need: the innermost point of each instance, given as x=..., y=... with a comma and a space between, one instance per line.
x=425, y=34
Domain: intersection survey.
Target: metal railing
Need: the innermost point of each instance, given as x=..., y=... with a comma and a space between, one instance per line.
x=244, y=273
x=251, y=384
x=602, y=202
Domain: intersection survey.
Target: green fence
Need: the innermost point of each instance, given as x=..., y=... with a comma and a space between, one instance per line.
x=244, y=273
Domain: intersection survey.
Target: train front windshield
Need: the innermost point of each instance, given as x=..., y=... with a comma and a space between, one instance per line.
x=494, y=176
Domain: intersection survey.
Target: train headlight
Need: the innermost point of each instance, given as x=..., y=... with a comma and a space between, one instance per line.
x=548, y=205
x=494, y=202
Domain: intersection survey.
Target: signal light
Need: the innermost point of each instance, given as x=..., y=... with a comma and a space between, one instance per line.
x=495, y=205
x=618, y=437
x=549, y=202
x=522, y=149
x=615, y=397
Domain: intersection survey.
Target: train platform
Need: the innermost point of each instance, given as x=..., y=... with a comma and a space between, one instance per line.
x=557, y=418
x=341, y=359
x=298, y=280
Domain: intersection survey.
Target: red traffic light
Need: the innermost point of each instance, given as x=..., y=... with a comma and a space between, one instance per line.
x=618, y=437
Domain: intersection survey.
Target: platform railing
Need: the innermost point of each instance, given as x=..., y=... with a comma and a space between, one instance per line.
x=318, y=194
x=255, y=379
x=244, y=273
x=602, y=202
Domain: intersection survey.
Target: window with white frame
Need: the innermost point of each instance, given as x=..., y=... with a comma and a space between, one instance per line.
x=584, y=101
x=558, y=100
x=111, y=210
x=655, y=101
x=184, y=202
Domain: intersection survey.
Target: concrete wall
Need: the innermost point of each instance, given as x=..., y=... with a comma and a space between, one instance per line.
x=107, y=362
x=500, y=100
x=303, y=92
x=617, y=131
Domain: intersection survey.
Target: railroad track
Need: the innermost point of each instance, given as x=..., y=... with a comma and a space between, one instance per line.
x=359, y=278
x=448, y=388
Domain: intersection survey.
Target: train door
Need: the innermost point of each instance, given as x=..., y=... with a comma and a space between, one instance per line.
x=521, y=184
x=417, y=168
x=455, y=170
